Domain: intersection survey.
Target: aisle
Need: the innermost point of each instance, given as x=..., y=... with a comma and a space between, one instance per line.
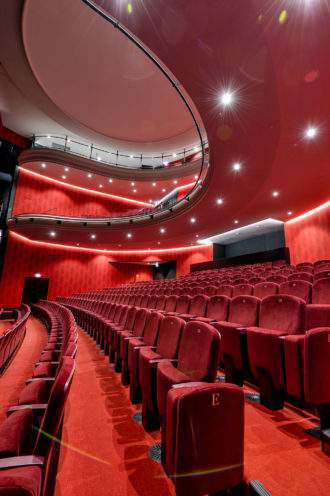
x=21, y=368
x=106, y=452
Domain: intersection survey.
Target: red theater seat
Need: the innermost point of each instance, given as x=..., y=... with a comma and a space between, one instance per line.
x=198, y=306
x=167, y=348
x=182, y=305
x=243, y=312
x=204, y=438
x=217, y=309
x=301, y=276
x=149, y=339
x=226, y=290
x=279, y=315
x=264, y=289
x=198, y=360
x=242, y=289
x=301, y=289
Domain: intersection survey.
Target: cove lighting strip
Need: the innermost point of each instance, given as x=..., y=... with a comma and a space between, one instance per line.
x=86, y=190
x=309, y=213
x=105, y=252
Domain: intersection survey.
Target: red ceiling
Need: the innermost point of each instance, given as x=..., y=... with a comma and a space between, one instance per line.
x=277, y=62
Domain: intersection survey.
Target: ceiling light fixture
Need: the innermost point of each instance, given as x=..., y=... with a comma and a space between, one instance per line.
x=237, y=166
x=89, y=175
x=52, y=234
x=129, y=235
x=110, y=180
x=153, y=184
x=162, y=230
x=275, y=194
x=93, y=236
x=175, y=181
x=37, y=274
x=193, y=220
x=289, y=212
x=43, y=166
x=227, y=98
x=311, y=132
x=235, y=221
x=100, y=185
x=219, y=201
x=63, y=177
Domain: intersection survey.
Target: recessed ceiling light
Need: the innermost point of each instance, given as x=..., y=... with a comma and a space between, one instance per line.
x=154, y=184
x=63, y=177
x=195, y=149
x=43, y=166
x=134, y=190
x=150, y=201
x=52, y=234
x=196, y=177
x=110, y=180
x=311, y=132
x=166, y=163
x=132, y=183
x=131, y=156
x=219, y=201
x=237, y=166
x=158, y=242
x=289, y=212
x=197, y=235
x=48, y=136
x=163, y=190
x=174, y=155
x=129, y=235
x=77, y=244
x=99, y=159
x=227, y=98
x=275, y=194
x=100, y=185
x=89, y=175
x=175, y=181
x=66, y=169
x=193, y=220
x=235, y=221
x=93, y=236
x=37, y=274
x=162, y=230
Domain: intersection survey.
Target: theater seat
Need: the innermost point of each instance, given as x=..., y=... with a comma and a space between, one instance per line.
x=24, y=481
x=279, y=315
x=263, y=289
x=149, y=339
x=301, y=289
x=217, y=309
x=198, y=306
x=204, y=438
x=198, y=360
x=242, y=289
x=243, y=312
x=169, y=338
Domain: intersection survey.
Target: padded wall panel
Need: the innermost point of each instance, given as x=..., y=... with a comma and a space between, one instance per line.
x=55, y=199
x=309, y=238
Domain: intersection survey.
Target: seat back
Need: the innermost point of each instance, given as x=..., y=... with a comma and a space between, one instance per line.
x=151, y=329
x=225, y=289
x=130, y=318
x=301, y=289
x=160, y=303
x=217, y=308
x=321, y=292
x=141, y=317
x=301, y=276
x=199, y=351
x=322, y=274
x=144, y=301
x=210, y=417
x=170, y=303
x=317, y=366
x=244, y=310
x=183, y=304
x=198, y=305
x=242, y=289
x=283, y=313
x=211, y=290
x=278, y=279
x=169, y=337
x=152, y=301
x=265, y=289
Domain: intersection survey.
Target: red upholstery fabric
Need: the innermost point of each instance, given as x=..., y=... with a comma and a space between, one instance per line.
x=317, y=366
x=317, y=316
x=263, y=289
x=301, y=276
x=205, y=436
x=321, y=291
x=282, y=312
x=294, y=365
x=225, y=289
x=242, y=289
x=24, y=481
x=16, y=434
x=197, y=360
x=217, y=308
x=301, y=289
x=244, y=310
x=45, y=369
x=35, y=392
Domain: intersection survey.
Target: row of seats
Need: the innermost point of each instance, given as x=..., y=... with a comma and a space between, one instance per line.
x=29, y=447
x=12, y=338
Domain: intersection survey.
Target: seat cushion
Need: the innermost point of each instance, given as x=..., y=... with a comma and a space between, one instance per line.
x=45, y=369
x=15, y=433
x=25, y=481
x=35, y=392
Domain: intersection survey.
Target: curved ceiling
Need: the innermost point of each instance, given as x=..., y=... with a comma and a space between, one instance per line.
x=273, y=57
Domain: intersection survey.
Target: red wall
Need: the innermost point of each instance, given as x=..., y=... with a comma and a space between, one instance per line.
x=309, y=238
x=38, y=195
x=72, y=271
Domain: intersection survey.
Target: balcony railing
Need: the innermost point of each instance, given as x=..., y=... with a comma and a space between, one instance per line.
x=116, y=158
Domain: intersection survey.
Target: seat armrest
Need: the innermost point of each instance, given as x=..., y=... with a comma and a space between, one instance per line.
x=37, y=408
x=158, y=360
x=188, y=384
x=34, y=379
x=21, y=461
x=52, y=363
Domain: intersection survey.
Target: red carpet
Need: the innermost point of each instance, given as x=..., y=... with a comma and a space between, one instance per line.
x=106, y=452
x=20, y=369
